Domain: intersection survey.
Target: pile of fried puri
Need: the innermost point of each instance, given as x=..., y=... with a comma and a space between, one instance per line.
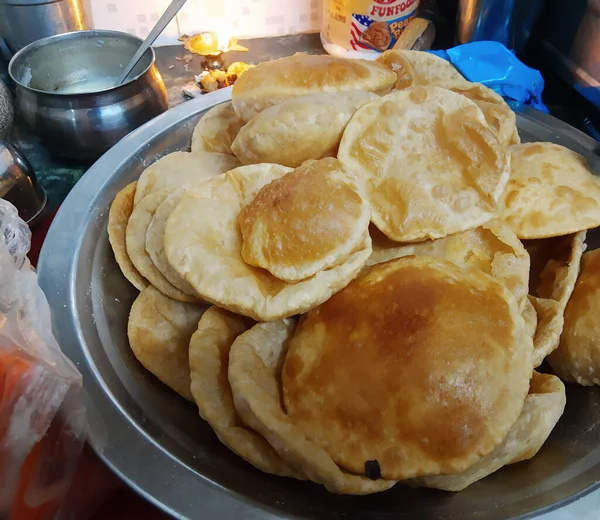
x=357, y=269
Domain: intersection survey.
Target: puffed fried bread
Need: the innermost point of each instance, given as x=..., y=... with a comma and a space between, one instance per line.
x=274, y=81
x=430, y=164
x=298, y=129
x=419, y=365
x=551, y=192
x=159, y=331
x=416, y=68
x=209, y=257
x=118, y=216
x=577, y=358
x=307, y=221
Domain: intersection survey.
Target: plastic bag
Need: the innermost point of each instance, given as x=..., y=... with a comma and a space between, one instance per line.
x=496, y=67
x=42, y=416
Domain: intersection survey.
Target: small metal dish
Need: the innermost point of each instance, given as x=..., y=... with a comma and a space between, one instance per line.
x=65, y=91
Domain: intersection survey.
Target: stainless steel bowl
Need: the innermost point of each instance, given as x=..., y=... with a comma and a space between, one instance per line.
x=19, y=186
x=25, y=21
x=84, y=124
x=157, y=442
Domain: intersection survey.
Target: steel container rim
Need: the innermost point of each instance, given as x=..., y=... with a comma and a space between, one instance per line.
x=75, y=35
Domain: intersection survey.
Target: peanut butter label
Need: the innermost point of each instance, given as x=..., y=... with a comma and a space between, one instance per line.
x=373, y=25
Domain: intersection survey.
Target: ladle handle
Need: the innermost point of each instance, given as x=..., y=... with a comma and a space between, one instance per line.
x=164, y=20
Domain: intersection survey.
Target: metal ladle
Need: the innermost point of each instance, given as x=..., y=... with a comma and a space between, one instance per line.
x=164, y=20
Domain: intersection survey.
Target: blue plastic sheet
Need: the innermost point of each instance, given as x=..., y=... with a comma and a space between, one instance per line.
x=496, y=67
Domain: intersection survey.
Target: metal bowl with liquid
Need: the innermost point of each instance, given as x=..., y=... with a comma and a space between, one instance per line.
x=66, y=92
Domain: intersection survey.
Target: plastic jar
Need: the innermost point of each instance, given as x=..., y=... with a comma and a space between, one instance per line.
x=364, y=28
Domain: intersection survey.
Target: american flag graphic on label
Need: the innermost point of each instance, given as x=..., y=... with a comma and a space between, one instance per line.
x=367, y=33
x=359, y=24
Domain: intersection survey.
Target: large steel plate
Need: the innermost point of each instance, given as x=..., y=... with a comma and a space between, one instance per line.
x=157, y=442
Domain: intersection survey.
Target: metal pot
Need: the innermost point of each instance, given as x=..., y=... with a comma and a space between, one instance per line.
x=25, y=21
x=64, y=91
x=585, y=52
x=509, y=23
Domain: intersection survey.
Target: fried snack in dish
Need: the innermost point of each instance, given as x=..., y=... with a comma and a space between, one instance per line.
x=498, y=115
x=203, y=244
x=494, y=248
x=180, y=168
x=430, y=164
x=159, y=331
x=209, y=362
x=418, y=68
x=530, y=316
x=255, y=361
x=551, y=192
x=298, y=129
x=305, y=222
x=155, y=240
x=274, y=81
x=216, y=130
x=418, y=367
x=118, y=216
x=544, y=405
x=135, y=239
x=555, y=264
x=577, y=358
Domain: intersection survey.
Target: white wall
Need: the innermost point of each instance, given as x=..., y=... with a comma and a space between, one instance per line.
x=243, y=18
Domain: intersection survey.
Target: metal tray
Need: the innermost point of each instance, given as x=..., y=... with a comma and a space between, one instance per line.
x=157, y=442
